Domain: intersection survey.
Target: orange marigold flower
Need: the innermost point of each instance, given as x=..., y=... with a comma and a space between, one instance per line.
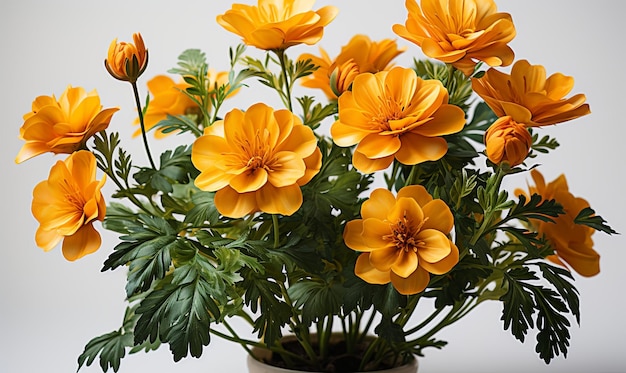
x=571, y=242
x=256, y=161
x=459, y=32
x=528, y=97
x=67, y=204
x=360, y=55
x=127, y=61
x=395, y=114
x=402, y=238
x=64, y=125
x=277, y=24
x=507, y=141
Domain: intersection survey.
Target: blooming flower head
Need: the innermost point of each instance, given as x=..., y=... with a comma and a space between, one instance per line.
x=256, y=161
x=507, y=141
x=459, y=32
x=360, y=55
x=127, y=61
x=395, y=114
x=278, y=24
x=528, y=97
x=402, y=238
x=571, y=242
x=63, y=125
x=67, y=204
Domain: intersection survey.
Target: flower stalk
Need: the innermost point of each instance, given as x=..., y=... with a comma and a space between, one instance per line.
x=142, y=125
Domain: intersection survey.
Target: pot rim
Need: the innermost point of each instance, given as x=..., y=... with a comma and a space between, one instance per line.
x=253, y=362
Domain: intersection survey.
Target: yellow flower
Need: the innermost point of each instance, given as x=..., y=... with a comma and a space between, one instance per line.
x=256, y=161
x=459, y=32
x=67, y=204
x=277, y=24
x=127, y=61
x=528, y=97
x=64, y=125
x=507, y=141
x=395, y=114
x=360, y=55
x=402, y=238
x=571, y=242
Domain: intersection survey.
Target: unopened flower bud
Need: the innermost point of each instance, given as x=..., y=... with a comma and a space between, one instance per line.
x=507, y=141
x=342, y=77
x=127, y=61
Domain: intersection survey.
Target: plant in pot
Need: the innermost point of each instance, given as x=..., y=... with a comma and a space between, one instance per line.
x=325, y=223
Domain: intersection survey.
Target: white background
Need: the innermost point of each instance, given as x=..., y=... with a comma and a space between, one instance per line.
x=50, y=307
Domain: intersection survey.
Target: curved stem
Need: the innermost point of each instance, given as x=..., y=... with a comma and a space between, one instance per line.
x=141, y=123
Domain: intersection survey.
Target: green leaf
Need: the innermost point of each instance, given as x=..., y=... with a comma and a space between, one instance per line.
x=180, y=311
x=588, y=217
x=264, y=297
x=525, y=296
x=203, y=209
x=111, y=347
x=543, y=145
x=553, y=336
x=388, y=301
x=146, y=251
x=175, y=168
x=190, y=62
x=535, y=208
x=563, y=283
x=181, y=123
x=317, y=299
x=390, y=331
x=517, y=302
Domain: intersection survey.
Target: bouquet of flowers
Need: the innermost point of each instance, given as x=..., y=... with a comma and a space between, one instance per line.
x=335, y=216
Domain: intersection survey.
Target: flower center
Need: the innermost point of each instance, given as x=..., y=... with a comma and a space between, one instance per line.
x=256, y=153
x=389, y=108
x=404, y=234
x=73, y=196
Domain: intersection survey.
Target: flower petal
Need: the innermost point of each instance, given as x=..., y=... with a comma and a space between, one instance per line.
x=368, y=273
x=413, y=284
x=85, y=241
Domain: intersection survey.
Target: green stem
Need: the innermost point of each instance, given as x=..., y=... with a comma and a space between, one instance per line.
x=425, y=322
x=408, y=310
x=141, y=123
x=276, y=230
x=282, y=58
x=487, y=218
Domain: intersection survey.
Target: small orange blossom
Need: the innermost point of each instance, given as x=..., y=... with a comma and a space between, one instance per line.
x=277, y=24
x=67, y=204
x=360, y=55
x=256, y=161
x=402, y=238
x=63, y=125
x=395, y=114
x=528, y=97
x=571, y=242
x=459, y=32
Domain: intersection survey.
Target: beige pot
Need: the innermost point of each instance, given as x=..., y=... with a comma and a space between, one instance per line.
x=256, y=366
